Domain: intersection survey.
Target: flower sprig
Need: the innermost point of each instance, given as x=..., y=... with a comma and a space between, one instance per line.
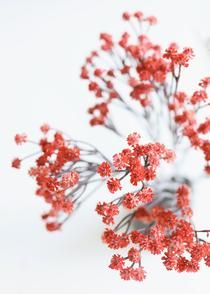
x=64, y=169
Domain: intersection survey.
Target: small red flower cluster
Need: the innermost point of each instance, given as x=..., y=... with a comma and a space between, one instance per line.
x=186, y=115
x=140, y=162
x=183, y=200
x=177, y=58
x=62, y=172
x=54, y=181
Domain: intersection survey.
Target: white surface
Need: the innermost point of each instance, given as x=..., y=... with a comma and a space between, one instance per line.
x=43, y=44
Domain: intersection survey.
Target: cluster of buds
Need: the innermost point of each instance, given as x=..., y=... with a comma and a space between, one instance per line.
x=64, y=169
x=154, y=214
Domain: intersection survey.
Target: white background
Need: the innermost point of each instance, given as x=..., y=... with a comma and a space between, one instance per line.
x=42, y=45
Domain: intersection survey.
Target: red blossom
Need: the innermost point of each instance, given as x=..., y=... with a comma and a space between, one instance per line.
x=204, y=83
x=133, y=139
x=45, y=128
x=114, y=185
x=117, y=262
x=146, y=195
x=199, y=96
x=204, y=127
x=108, y=43
x=183, y=200
x=53, y=226
x=108, y=211
x=138, y=274
x=20, y=139
x=179, y=58
x=104, y=169
x=134, y=255
x=70, y=179
x=16, y=163
x=125, y=273
x=130, y=201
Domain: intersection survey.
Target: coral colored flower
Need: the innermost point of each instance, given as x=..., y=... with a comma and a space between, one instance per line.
x=45, y=128
x=114, y=185
x=133, y=139
x=70, y=179
x=204, y=127
x=138, y=274
x=179, y=58
x=108, y=43
x=134, y=255
x=183, y=200
x=204, y=83
x=53, y=226
x=67, y=206
x=104, y=169
x=152, y=20
x=117, y=262
x=126, y=273
x=126, y=16
x=130, y=201
x=199, y=96
x=20, y=139
x=146, y=195
x=16, y=163
x=108, y=211
x=121, y=160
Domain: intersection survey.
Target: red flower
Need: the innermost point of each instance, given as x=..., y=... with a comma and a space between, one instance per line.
x=133, y=139
x=138, y=274
x=53, y=226
x=114, y=185
x=139, y=15
x=84, y=73
x=45, y=128
x=204, y=83
x=108, y=43
x=146, y=195
x=20, y=139
x=134, y=255
x=108, y=211
x=126, y=273
x=183, y=200
x=126, y=16
x=204, y=128
x=130, y=201
x=67, y=206
x=16, y=163
x=117, y=262
x=70, y=179
x=104, y=169
x=152, y=20
x=179, y=58
x=198, y=96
